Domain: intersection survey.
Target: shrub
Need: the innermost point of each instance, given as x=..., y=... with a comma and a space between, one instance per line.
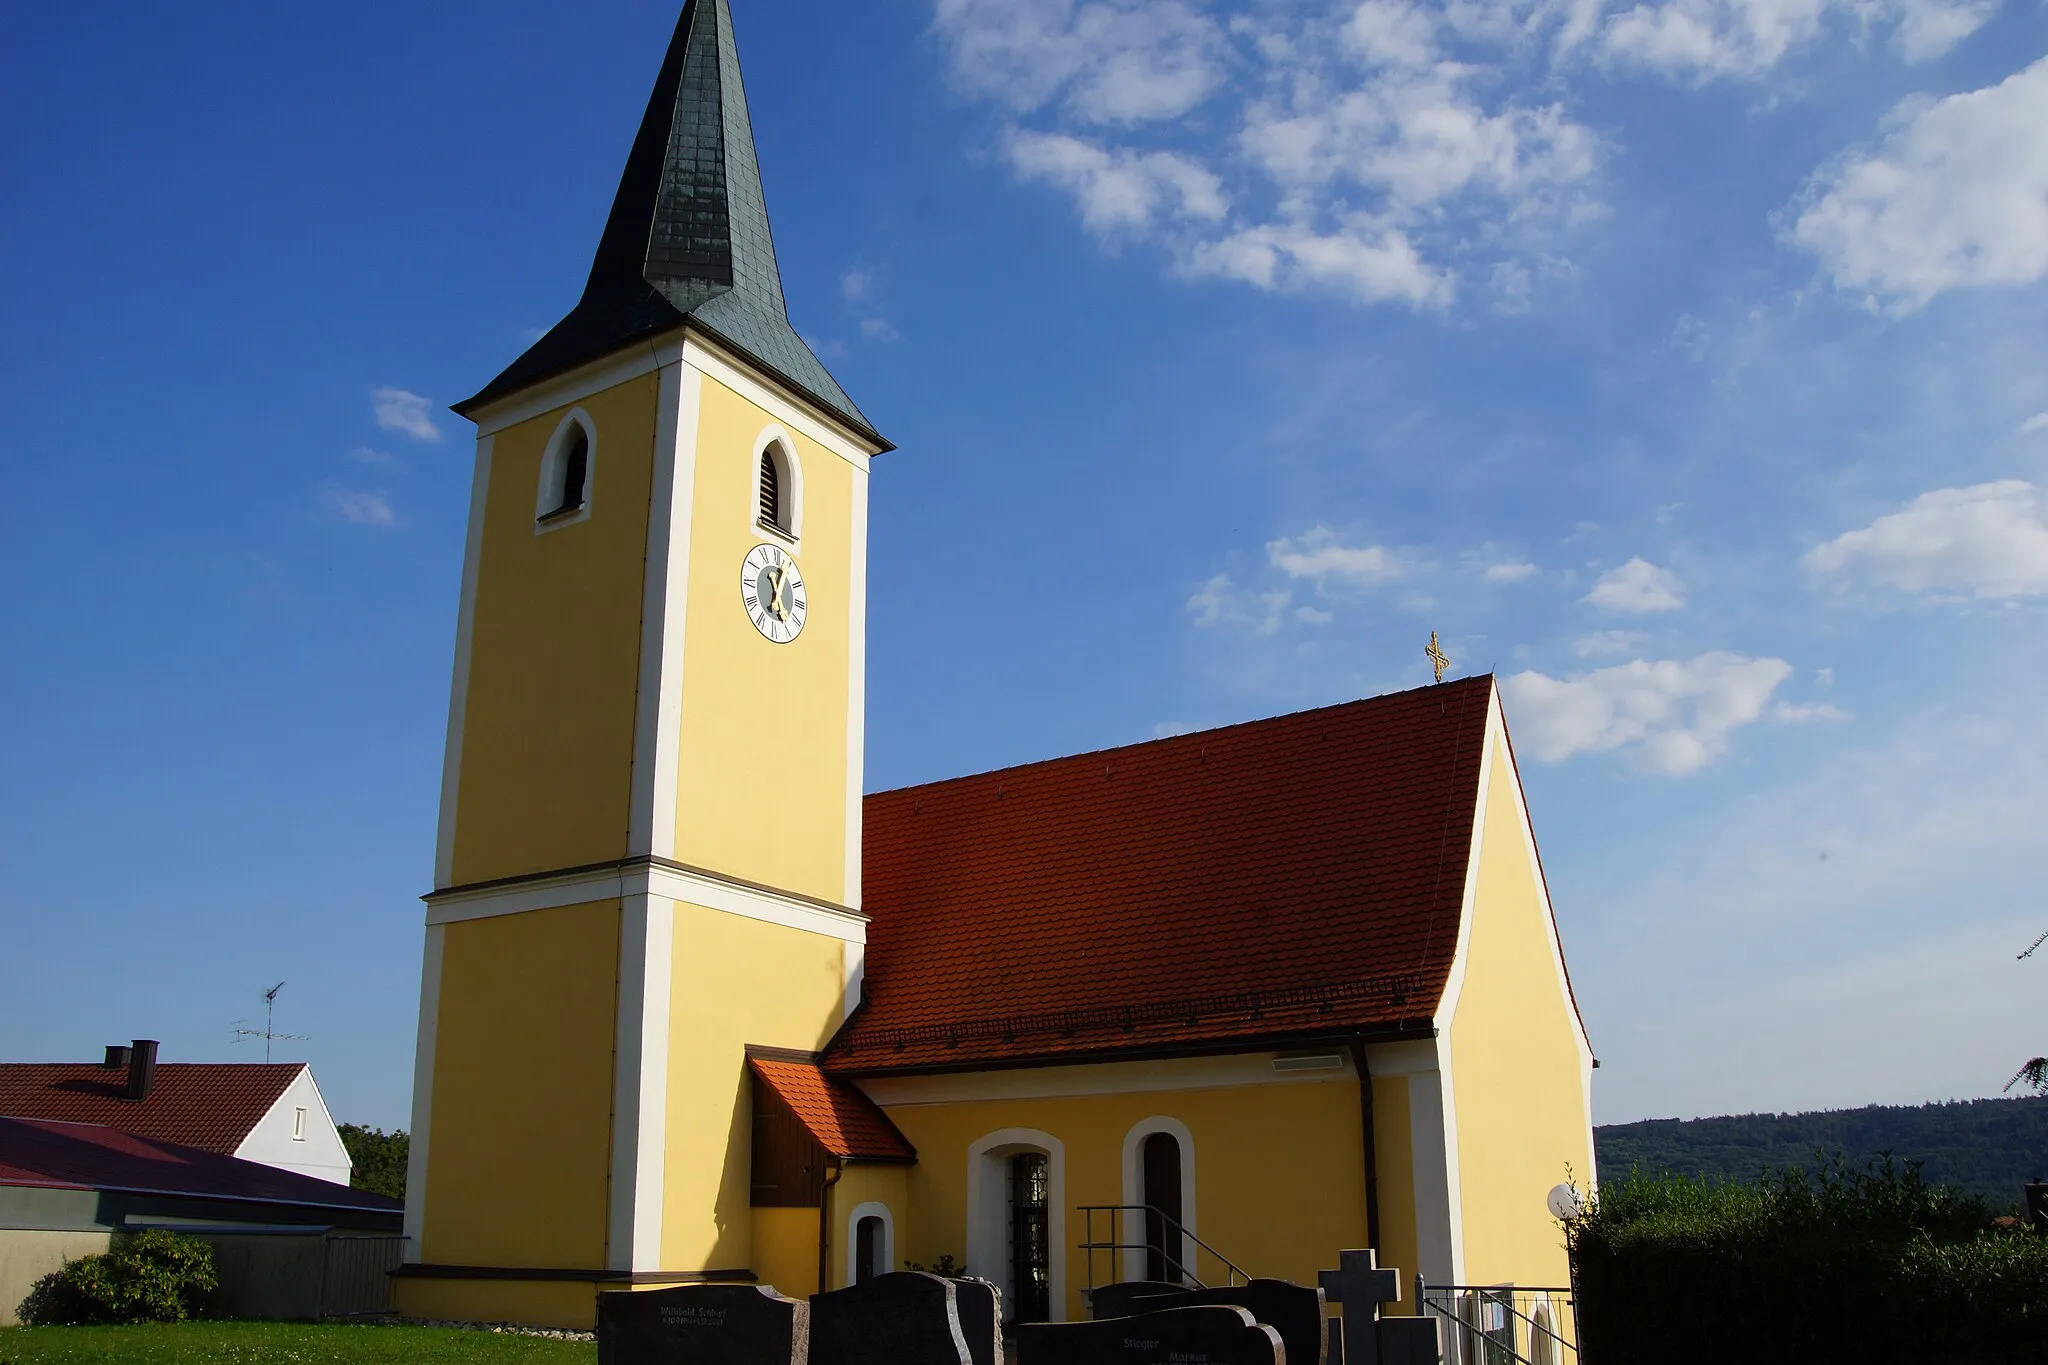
x=148, y=1277
x=1871, y=1266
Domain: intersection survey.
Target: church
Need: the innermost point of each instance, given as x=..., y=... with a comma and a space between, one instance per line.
x=694, y=1008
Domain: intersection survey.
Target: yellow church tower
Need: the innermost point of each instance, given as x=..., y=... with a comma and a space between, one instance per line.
x=649, y=849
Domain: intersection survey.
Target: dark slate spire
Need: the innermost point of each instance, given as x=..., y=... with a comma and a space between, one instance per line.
x=688, y=234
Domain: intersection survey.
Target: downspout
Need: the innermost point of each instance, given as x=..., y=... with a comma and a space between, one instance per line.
x=1372, y=1160
x=833, y=1170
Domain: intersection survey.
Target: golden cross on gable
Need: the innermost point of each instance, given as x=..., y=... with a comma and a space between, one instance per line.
x=1437, y=658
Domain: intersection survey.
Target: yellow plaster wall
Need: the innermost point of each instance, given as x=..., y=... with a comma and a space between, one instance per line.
x=862, y=1183
x=736, y=981
x=518, y=1171
x=538, y=1303
x=547, y=747
x=1279, y=1171
x=1516, y=1068
x=761, y=778
x=1394, y=1150
x=786, y=1250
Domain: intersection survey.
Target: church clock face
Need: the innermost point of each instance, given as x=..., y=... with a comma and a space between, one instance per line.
x=773, y=593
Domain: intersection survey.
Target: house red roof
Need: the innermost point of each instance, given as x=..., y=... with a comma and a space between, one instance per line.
x=840, y=1118
x=1287, y=878
x=208, y=1105
x=90, y=1157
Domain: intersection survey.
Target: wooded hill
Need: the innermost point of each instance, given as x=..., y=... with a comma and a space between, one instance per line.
x=1986, y=1147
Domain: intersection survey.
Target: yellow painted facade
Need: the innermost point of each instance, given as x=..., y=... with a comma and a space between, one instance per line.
x=547, y=751
x=736, y=981
x=863, y=1183
x=1394, y=1155
x=786, y=1250
x=522, y=1090
x=1518, y=1073
x=570, y=1305
x=761, y=782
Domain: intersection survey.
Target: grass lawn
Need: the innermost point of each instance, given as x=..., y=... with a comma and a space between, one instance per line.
x=289, y=1343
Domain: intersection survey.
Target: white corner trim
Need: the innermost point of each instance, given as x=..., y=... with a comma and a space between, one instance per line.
x=640, y=1082
x=547, y=495
x=1439, y=1233
x=988, y=1205
x=423, y=1093
x=856, y=963
x=790, y=471
x=1454, y=1173
x=664, y=612
x=1447, y=1007
x=740, y=377
x=458, y=687
x=856, y=686
x=690, y=885
x=1134, y=1189
x=579, y=384
x=873, y=1208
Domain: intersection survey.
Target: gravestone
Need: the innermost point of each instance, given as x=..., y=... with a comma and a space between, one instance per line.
x=1204, y=1334
x=1359, y=1286
x=1410, y=1341
x=981, y=1319
x=1294, y=1311
x=705, y=1324
x=902, y=1318
x=1115, y=1300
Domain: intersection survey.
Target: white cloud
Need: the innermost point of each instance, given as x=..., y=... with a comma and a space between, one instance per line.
x=1792, y=713
x=2038, y=422
x=361, y=507
x=1605, y=644
x=1956, y=195
x=1116, y=61
x=365, y=455
x=1221, y=602
x=1638, y=586
x=879, y=329
x=1369, y=266
x=1509, y=573
x=1704, y=39
x=1929, y=28
x=1988, y=541
x=1317, y=554
x=1118, y=190
x=402, y=410
x=1673, y=716
x=856, y=285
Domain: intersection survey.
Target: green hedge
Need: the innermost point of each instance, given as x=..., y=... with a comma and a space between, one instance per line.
x=1871, y=1266
x=148, y=1277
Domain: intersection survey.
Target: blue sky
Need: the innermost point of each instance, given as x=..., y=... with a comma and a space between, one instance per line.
x=1682, y=362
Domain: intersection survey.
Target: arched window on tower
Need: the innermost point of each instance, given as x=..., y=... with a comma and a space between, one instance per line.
x=575, y=470
x=774, y=510
x=565, y=473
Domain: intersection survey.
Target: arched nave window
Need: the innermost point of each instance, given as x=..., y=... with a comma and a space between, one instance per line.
x=1016, y=1220
x=1159, y=1180
x=778, y=486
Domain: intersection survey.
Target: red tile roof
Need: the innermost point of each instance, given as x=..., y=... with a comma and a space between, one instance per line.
x=208, y=1105
x=844, y=1122
x=1297, y=876
x=90, y=1157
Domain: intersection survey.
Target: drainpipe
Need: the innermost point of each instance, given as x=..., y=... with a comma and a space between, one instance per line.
x=833, y=1170
x=1372, y=1161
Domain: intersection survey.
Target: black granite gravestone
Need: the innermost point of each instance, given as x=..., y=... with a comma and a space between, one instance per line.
x=705, y=1324
x=902, y=1318
x=1206, y=1334
x=1409, y=1341
x=1294, y=1311
x=1360, y=1286
x=981, y=1319
x=1115, y=1300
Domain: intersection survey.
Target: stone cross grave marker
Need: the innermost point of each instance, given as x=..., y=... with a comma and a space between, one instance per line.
x=902, y=1318
x=1294, y=1311
x=1359, y=1287
x=706, y=1324
x=1202, y=1334
x=981, y=1319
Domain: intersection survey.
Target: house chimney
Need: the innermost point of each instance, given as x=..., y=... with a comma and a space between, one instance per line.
x=117, y=1057
x=141, y=1069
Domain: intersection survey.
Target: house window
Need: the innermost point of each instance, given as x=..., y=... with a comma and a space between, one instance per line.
x=1031, y=1236
x=566, y=468
x=867, y=1249
x=298, y=1125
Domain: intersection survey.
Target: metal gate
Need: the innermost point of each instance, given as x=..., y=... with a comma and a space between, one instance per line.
x=355, y=1275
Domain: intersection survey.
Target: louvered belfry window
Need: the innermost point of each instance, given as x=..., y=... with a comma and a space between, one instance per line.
x=771, y=490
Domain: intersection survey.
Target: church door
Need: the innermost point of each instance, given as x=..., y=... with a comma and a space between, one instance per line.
x=1030, y=1237
x=1163, y=1214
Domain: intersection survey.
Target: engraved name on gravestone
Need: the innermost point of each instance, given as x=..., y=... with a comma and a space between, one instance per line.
x=1295, y=1311
x=704, y=1324
x=981, y=1319
x=1207, y=1334
x=902, y=1318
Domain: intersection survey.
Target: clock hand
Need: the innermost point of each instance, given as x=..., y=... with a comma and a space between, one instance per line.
x=780, y=576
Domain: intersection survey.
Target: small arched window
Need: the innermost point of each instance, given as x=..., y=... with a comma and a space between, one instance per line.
x=566, y=468
x=773, y=512
x=575, y=469
x=867, y=1255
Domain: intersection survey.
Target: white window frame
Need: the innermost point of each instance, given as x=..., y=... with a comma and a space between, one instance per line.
x=790, y=473
x=299, y=1123
x=873, y=1208
x=988, y=1210
x=1134, y=1189
x=548, y=496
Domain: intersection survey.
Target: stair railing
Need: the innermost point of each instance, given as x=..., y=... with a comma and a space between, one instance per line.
x=1177, y=1239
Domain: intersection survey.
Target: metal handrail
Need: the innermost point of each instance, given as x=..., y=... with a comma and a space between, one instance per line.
x=1176, y=1233
x=1504, y=1295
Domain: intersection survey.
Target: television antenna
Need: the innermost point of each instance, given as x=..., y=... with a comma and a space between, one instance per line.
x=268, y=1033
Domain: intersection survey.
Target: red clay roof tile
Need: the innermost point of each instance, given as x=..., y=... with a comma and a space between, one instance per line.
x=1296, y=876
x=845, y=1122
x=208, y=1105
